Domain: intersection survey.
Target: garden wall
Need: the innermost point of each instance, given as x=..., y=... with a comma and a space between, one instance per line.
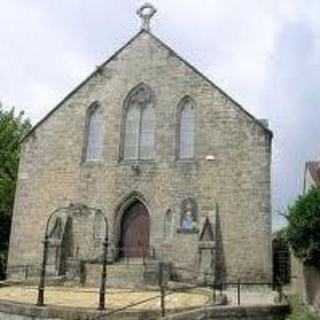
x=18, y=311
x=306, y=283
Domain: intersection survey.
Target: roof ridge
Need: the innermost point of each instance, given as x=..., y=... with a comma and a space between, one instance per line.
x=83, y=82
x=117, y=52
x=211, y=83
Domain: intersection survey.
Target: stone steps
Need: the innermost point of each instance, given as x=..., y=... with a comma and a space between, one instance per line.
x=120, y=274
x=125, y=274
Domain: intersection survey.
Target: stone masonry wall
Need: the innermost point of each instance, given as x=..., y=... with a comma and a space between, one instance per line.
x=306, y=283
x=51, y=172
x=12, y=311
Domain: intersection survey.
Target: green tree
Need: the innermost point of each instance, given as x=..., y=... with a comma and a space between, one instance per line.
x=303, y=232
x=12, y=128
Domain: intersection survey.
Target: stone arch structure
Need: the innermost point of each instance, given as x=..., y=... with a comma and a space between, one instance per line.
x=132, y=212
x=75, y=233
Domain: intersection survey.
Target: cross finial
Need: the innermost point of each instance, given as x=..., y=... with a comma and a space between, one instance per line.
x=146, y=12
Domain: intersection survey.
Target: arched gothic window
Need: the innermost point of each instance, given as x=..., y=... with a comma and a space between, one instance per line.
x=94, y=133
x=186, y=128
x=139, y=124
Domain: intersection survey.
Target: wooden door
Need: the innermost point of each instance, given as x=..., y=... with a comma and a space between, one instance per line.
x=135, y=229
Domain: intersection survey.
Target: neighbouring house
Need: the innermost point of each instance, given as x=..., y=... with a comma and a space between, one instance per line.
x=178, y=168
x=311, y=175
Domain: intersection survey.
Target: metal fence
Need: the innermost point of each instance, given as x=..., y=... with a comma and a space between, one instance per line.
x=217, y=288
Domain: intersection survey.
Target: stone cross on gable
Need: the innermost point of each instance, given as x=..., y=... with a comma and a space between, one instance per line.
x=146, y=12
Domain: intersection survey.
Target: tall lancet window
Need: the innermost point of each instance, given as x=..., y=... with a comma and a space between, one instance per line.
x=95, y=130
x=139, y=124
x=186, y=128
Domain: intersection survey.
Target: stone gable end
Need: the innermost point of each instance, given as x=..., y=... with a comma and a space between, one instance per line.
x=52, y=172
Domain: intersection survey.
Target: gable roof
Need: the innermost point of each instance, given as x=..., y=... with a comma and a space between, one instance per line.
x=314, y=168
x=260, y=123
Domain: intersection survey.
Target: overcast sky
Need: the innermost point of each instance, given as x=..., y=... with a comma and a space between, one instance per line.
x=264, y=53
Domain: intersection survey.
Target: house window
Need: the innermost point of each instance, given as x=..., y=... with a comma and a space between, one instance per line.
x=139, y=124
x=94, y=146
x=186, y=129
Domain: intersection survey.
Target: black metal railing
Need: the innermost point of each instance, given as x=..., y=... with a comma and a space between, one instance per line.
x=217, y=288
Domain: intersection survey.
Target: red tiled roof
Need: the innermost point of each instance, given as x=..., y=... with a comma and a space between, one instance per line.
x=314, y=169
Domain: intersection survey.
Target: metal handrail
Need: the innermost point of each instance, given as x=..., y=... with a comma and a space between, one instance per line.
x=165, y=291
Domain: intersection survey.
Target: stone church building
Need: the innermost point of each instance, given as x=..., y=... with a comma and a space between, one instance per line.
x=177, y=168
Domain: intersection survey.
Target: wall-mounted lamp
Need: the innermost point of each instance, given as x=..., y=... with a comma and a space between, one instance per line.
x=210, y=157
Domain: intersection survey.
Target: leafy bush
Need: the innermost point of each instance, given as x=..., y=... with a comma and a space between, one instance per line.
x=12, y=129
x=303, y=232
x=299, y=310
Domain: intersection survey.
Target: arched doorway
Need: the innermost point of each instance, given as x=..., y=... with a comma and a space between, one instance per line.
x=135, y=231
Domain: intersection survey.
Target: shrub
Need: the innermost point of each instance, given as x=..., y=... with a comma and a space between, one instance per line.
x=303, y=232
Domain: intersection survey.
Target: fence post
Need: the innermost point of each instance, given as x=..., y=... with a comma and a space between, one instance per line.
x=214, y=297
x=41, y=287
x=102, y=293
x=144, y=256
x=26, y=272
x=280, y=290
x=239, y=291
x=162, y=289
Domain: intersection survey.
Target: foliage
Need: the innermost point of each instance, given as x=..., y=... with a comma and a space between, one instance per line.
x=299, y=310
x=281, y=237
x=12, y=128
x=281, y=257
x=303, y=232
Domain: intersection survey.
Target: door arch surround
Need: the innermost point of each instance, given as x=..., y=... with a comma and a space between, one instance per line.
x=128, y=207
x=135, y=231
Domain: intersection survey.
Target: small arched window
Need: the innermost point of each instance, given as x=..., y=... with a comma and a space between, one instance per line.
x=186, y=128
x=139, y=124
x=94, y=139
x=168, y=224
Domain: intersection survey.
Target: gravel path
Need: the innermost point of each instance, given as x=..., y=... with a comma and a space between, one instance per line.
x=119, y=298
x=88, y=297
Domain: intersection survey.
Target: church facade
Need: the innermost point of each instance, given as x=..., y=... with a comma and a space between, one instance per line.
x=176, y=166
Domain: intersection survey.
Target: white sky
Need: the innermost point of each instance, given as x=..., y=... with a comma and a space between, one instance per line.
x=265, y=53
